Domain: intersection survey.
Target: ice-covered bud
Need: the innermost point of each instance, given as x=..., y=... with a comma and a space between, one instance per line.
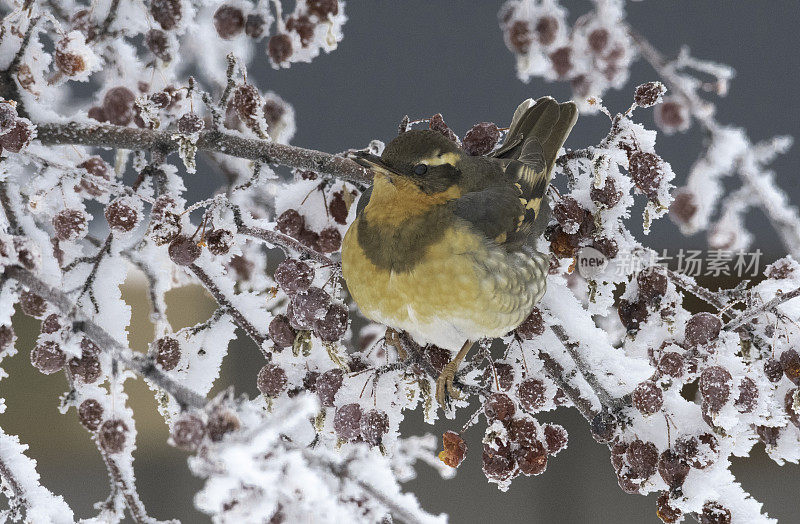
x=112, y=436
x=271, y=380
x=90, y=414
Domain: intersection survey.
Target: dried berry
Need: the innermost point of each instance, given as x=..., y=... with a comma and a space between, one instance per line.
x=328, y=385
x=702, y=328
x=290, y=223
x=652, y=284
x=118, y=104
x=310, y=305
x=222, y=422
x=121, y=215
x=546, y=30
x=632, y=314
x=190, y=123
x=780, y=269
x=281, y=332
x=646, y=170
x=608, y=195
x=166, y=12
x=773, y=369
x=8, y=117
x=188, y=432
x=481, y=139
x=97, y=113
x=254, y=25
x=569, y=213
x=86, y=369
x=523, y=431
x=437, y=124
x=6, y=336
x=627, y=483
x=303, y=26
x=561, y=60
x=271, y=380
x=219, y=242
x=649, y=94
x=648, y=398
x=671, y=363
x=519, y=35
x=330, y=240
x=67, y=61
x=715, y=386
x=274, y=109
x=533, y=460
x=715, y=513
x=294, y=276
x=374, y=425
x=790, y=362
x=310, y=239
x=279, y=48
x=671, y=115
x=228, y=21
x=532, y=326
x=672, y=468
x=667, y=513
x=598, y=39
x=168, y=353
x=338, y=208
x=70, y=224
x=32, y=304
x=531, y=394
x=618, y=455
x=323, y=8
x=332, y=325
x=555, y=437
x=90, y=414
x=16, y=139
x=499, y=406
x=642, y=458
x=748, y=396
x=347, y=422
x=157, y=42
x=455, y=449
x=437, y=356
x=112, y=436
x=183, y=250
x=604, y=425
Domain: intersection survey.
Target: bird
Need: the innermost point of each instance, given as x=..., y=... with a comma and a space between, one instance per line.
x=443, y=245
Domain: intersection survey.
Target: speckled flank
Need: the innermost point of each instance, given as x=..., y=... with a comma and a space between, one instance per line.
x=465, y=288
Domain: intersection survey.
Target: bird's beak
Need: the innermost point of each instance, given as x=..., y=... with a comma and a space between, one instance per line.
x=373, y=163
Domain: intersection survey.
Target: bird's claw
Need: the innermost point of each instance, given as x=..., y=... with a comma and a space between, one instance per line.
x=444, y=384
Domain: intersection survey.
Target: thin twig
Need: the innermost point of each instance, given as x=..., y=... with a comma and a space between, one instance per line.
x=768, y=306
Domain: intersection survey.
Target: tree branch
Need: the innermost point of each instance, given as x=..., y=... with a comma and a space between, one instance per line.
x=770, y=305
x=119, y=137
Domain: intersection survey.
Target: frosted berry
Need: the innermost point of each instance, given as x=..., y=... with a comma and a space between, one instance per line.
x=702, y=328
x=607, y=246
x=188, y=432
x=437, y=356
x=121, y=215
x=157, y=42
x=347, y=422
x=532, y=326
x=294, y=276
x=17, y=138
x=519, y=35
x=374, y=425
x=332, y=325
x=90, y=414
x=497, y=463
x=668, y=513
x=649, y=94
x=228, y=21
x=112, y=436
x=632, y=314
x=219, y=242
x=32, y=304
x=618, y=455
x=330, y=240
x=222, y=422
x=504, y=373
x=328, y=385
x=646, y=170
x=748, y=396
x=642, y=458
x=437, y=124
x=628, y=483
x=183, y=250
x=715, y=386
x=715, y=513
x=86, y=369
x=303, y=26
x=254, y=25
x=97, y=113
x=523, y=431
x=309, y=238
x=6, y=336
x=338, y=208
x=160, y=99
x=555, y=437
x=455, y=449
x=672, y=468
x=70, y=224
x=190, y=123
x=608, y=195
x=166, y=12
x=247, y=101
x=779, y=269
x=672, y=116
x=8, y=117
x=648, y=398
x=279, y=47
x=481, y=139
x=773, y=369
x=281, y=331
x=96, y=167
x=561, y=60
x=671, y=363
x=271, y=380
x=531, y=394
x=569, y=213
x=533, y=460
x=168, y=353
x=274, y=111
x=546, y=30
x=310, y=304
x=598, y=39
x=768, y=435
x=683, y=206
x=68, y=63
x=118, y=105
x=604, y=425
x=499, y=406
x=291, y=223
x=323, y=8
x=790, y=362
x=652, y=284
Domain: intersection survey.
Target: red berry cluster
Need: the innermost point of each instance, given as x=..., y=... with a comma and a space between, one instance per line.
x=292, y=223
x=652, y=287
x=303, y=23
x=15, y=132
x=353, y=424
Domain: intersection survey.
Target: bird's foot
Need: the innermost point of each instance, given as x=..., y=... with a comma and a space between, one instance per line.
x=444, y=384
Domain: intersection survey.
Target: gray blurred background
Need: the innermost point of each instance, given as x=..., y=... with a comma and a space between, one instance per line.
x=419, y=58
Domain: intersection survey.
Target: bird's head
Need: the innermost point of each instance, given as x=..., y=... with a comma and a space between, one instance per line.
x=425, y=158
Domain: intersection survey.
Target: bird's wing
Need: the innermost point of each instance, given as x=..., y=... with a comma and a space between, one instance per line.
x=495, y=212
x=528, y=154
x=363, y=200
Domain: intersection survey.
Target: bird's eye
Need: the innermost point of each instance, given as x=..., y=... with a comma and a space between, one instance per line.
x=420, y=169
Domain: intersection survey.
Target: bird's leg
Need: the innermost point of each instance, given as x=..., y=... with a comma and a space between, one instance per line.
x=444, y=384
x=393, y=339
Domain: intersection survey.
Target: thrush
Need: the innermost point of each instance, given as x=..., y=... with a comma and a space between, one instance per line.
x=444, y=244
